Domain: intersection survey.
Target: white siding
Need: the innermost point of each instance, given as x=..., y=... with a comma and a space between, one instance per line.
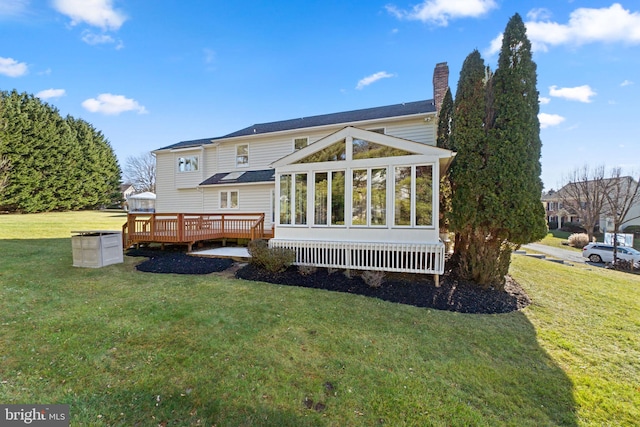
x=262, y=152
x=179, y=201
x=193, y=178
x=415, y=130
x=210, y=163
x=251, y=199
x=170, y=197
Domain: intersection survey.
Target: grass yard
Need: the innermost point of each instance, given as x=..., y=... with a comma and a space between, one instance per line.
x=555, y=238
x=126, y=348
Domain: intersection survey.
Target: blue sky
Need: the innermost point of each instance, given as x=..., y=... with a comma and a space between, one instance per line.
x=151, y=73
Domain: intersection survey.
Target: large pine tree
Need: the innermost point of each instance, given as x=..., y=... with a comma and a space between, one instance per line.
x=496, y=174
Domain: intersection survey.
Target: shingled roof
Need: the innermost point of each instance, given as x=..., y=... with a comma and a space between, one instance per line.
x=396, y=110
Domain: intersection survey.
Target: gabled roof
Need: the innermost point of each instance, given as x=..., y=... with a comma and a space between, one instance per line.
x=396, y=110
x=445, y=156
x=244, y=177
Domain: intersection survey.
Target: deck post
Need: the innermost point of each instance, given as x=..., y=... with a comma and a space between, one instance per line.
x=180, y=227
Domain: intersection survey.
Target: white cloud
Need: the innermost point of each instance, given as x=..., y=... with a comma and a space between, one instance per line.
x=626, y=83
x=440, y=12
x=12, y=68
x=547, y=120
x=544, y=100
x=494, y=46
x=97, y=13
x=538, y=14
x=609, y=25
x=13, y=8
x=107, y=103
x=586, y=25
x=51, y=93
x=93, y=39
x=579, y=93
x=373, y=78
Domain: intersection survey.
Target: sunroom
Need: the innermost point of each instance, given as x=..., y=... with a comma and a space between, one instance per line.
x=359, y=199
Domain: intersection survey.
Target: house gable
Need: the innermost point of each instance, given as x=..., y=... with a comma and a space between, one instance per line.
x=391, y=147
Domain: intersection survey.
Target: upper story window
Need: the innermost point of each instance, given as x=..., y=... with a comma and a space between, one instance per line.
x=188, y=164
x=299, y=143
x=242, y=155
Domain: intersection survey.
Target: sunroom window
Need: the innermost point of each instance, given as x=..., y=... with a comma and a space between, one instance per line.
x=332, y=153
x=370, y=150
x=293, y=188
x=413, y=196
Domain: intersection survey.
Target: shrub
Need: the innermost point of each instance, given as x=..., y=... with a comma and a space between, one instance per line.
x=578, y=240
x=553, y=225
x=272, y=259
x=307, y=270
x=373, y=278
x=573, y=227
x=625, y=265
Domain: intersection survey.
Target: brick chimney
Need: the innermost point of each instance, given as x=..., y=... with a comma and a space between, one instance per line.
x=440, y=83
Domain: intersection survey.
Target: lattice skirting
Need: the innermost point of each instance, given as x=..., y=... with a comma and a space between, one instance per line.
x=427, y=258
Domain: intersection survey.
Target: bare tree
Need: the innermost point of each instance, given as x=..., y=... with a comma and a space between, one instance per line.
x=623, y=192
x=584, y=195
x=140, y=172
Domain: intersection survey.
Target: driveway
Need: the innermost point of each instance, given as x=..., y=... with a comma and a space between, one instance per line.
x=564, y=254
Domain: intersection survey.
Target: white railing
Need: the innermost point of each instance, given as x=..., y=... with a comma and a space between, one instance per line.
x=426, y=258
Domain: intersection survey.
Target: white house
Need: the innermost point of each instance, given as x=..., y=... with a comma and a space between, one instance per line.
x=355, y=189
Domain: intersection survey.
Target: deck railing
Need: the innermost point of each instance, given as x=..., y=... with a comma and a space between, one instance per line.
x=186, y=228
x=425, y=258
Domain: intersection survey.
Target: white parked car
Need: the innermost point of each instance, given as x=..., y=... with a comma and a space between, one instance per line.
x=599, y=252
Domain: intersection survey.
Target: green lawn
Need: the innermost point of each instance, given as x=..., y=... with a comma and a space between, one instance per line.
x=126, y=348
x=556, y=238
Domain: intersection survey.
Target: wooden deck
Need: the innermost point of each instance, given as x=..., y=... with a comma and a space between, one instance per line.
x=184, y=228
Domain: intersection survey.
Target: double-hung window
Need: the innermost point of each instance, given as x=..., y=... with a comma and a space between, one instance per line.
x=229, y=199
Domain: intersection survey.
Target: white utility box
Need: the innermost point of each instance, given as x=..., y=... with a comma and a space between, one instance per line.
x=96, y=248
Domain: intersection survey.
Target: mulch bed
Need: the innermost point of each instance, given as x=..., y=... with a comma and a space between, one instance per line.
x=412, y=289
x=175, y=262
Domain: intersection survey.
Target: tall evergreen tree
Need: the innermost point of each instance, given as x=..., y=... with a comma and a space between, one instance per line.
x=515, y=140
x=444, y=121
x=55, y=163
x=445, y=116
x=468, y=218
x=496, y=174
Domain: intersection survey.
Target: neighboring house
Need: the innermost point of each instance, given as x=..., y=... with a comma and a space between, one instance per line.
x=126, y=190
x=358, y=184
x=559, y=212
